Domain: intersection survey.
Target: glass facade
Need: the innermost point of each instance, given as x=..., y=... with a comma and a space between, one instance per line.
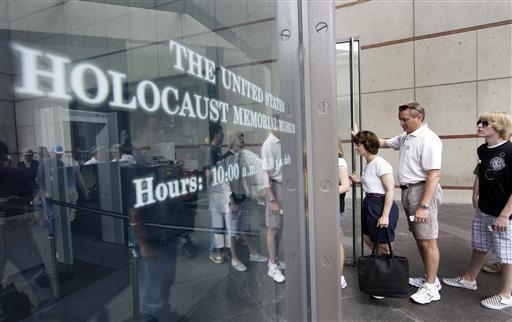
x=145, y=174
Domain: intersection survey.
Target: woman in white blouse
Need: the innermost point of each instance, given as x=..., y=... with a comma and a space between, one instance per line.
x=379, y=210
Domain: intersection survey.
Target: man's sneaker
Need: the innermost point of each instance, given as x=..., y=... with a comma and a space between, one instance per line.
x=275, y=273
x=377, y=297
x=239, y=266
x=495, y=267
x=343, y=282
x=426, y=294
x=258, y=258
x=496, y=302
x=280, y=265
x=419, y=281
x=460, y=282
x=217, y=259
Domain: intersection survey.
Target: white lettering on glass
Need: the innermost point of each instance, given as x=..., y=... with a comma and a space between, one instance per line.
x=31, y=73
x=78, y=86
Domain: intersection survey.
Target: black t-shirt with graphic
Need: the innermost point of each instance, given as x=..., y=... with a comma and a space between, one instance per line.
x=495, y=177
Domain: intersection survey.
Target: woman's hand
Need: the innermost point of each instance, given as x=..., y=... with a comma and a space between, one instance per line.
x=355, y=178
x=354, y=130
x=383, y=222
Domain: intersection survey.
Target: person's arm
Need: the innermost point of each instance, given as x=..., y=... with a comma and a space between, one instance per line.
x=274, y=203
x=344, y=180
x=501, y=223
x=355, y=178
x=428, y=193
x=389, y=185
x=383, y=143
x=146, y=250
x=476, y=192
x=81, y=182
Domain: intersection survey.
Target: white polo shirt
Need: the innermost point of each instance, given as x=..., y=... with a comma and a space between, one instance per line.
x=271, y=155
x=420, y=151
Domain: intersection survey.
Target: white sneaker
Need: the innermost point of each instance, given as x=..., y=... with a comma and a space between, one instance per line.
x=239, y=266
x=258, y=258
x=275, y=273
x=280, y=265
x=460, y=282
x=419, y=281
x=377, y=297
x=343, y=282
x=496, y=302
x=426, y=294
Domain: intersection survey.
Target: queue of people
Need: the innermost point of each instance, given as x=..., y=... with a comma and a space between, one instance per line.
x=231, y=201
x=419, y=171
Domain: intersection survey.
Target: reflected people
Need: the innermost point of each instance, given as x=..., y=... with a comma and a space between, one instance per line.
x=239, y=217
x=124, y=159
x=17, y=243
x=218, y=197
x=272, y=161
x=58, y=178
x=155, y=246
x=98, y=155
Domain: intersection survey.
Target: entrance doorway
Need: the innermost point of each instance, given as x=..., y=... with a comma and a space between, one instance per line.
x=349, y=112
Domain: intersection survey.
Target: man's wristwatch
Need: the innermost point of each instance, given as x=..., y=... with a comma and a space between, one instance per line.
x=423, y=206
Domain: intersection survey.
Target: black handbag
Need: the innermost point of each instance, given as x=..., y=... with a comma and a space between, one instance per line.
x=383, y=275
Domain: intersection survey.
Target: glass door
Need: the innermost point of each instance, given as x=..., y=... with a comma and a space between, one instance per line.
x=349, y=112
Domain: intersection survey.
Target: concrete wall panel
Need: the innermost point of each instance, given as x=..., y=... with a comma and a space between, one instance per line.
x=380, y=111
x=459, y=161
x=6, y=87
x=494, y=52
x=448, y=59
x=438, y=16
x=495, y=95
x=457, y=196
x=392, y=19
x=387, y=68
x=450, y=109
x=50, y=20
x=6, y=114
x=18, y=9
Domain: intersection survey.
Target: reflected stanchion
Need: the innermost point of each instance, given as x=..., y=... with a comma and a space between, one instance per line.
x=134, y=279
x=55, y=269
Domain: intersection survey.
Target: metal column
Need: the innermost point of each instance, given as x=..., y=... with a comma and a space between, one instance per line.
x=322, y=167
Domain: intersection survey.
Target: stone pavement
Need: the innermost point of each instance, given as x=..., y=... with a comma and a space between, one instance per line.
x=456, y=304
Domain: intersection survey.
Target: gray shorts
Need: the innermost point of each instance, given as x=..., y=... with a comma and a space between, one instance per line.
x=484, y=240
x=411, y=198
x=275, y=221
x=239, y=219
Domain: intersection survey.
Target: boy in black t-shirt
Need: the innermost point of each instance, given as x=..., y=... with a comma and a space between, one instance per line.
x=492, y=193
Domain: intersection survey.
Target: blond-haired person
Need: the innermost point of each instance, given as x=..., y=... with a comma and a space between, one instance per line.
x=492, y=196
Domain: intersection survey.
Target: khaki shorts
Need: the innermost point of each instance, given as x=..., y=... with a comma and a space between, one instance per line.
x=411, y=198
x=274, y=220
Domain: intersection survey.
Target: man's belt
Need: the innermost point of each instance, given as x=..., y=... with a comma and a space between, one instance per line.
x=410, y=185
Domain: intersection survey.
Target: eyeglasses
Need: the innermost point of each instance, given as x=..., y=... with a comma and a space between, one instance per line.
x=483, y=123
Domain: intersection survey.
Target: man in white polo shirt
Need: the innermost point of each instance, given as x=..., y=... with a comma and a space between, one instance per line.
x=272, y=164
x=418, y=173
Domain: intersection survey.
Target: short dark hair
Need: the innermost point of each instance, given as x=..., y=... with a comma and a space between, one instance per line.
x=214, y=130
x=369, y=140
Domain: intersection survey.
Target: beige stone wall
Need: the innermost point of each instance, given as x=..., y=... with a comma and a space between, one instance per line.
x=455, y=57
